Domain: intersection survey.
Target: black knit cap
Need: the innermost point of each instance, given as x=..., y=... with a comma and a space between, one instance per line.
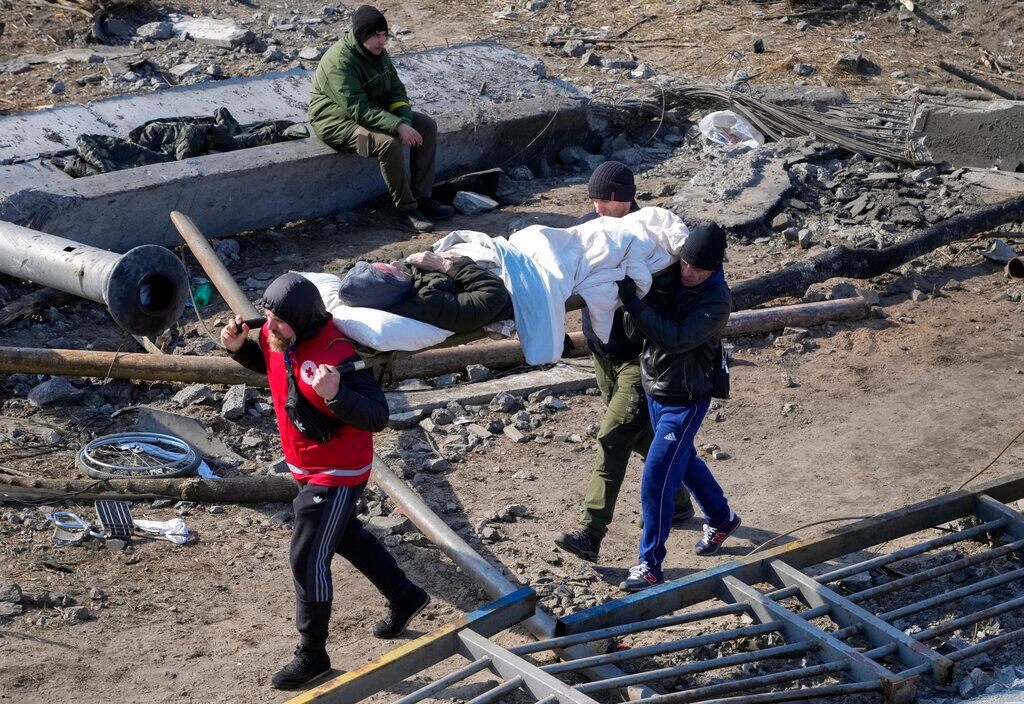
x=367, y=20
x=295, y=300
x=704, y=247
x=612, y=180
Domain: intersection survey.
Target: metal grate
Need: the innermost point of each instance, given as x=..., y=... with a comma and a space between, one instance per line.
x=115, y=518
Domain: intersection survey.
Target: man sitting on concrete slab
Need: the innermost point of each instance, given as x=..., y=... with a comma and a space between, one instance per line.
x=447, y=290
x=359, y=104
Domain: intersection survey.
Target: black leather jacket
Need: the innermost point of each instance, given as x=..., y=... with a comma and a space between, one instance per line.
x=681, y=329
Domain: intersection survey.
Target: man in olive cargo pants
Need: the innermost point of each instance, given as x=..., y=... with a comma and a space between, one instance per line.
x=625, y=426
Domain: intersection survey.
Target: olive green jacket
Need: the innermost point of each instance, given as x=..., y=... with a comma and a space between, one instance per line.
x=352, y=87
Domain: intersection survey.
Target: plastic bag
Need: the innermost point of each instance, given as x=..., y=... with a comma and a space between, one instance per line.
x=729, y=130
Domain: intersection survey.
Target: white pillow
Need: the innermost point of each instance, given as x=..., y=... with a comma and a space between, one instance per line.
x=385, y=331
x=326, y=284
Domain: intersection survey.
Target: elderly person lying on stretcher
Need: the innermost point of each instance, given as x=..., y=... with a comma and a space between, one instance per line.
x=447, y=290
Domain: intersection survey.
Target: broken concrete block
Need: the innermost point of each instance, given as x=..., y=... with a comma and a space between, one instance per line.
x=428, y=425
x=55, y=391
x=514, y=435
x=436, y=465
x=803, y=69
x=10, y=592
x=574, y=48
x=234, y=402
x=442, y=416
x=479, y=431
x=405, y=420
x=206, y=30
x=504, y=402
x=590, y=58
x=192, y=394
x=310, y=53
x=469, y=203
x=855, y=62
x=477, y=372
x=445, y=380
x=155, y=31
x=182, y=70
x=394, y=524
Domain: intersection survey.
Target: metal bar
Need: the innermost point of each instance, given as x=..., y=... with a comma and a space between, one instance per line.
x=421, y=653
x=912, y=551
x=509, y=666
x=797, y=630
x=628, y=628
x=925, y=575
x=967, y=620
x=789, y=695
x=498, y=692
x=883, y=651
x=987, y=645
x=671, y=646
x=494, y=583
x=952, y=596
x=445, y=682
x=988, y=508
x=701, y=693
x=875, y=630
x=781, y=651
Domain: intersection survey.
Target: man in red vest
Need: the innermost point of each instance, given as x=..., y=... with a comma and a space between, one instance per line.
x=326, y=421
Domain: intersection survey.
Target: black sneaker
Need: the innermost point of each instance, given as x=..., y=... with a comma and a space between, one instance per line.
x=683, y=513
x=306, y=666
x=398, y=617
x=437, y=211
x=415, y=220
x=580, y=543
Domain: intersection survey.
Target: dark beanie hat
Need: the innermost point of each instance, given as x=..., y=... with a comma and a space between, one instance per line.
x=704, y=247
x=612, y=180
x=295, y=300
x=367, y=20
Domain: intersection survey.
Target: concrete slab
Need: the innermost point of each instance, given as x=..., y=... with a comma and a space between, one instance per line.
x=982, y=135
x=265, y=186
x=577, y=376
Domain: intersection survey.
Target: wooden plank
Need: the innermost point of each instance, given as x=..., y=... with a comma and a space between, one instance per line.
x=417, y=655
x=876, y=631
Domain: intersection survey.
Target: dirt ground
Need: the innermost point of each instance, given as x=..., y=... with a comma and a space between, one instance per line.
x=873, y=415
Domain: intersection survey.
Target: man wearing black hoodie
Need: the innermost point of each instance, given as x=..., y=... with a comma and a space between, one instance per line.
x=326, y=420
x=625, y=426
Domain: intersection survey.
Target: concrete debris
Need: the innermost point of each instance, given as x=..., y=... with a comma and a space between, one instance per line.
x=155, y=31
x=574, y=48
x=227, y=34
x=469, y=203
x=441, y=416
x=182, y=70
x=311, y=53
x=803, y=69
x=504, y=402
x=233, y=407
x=477, y=372
x=514, y=434
x=10, y=592
x=192, y=394
x=53, y=392
x=855, y=62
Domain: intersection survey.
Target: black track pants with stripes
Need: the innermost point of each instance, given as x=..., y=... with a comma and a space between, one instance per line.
x=325, y=524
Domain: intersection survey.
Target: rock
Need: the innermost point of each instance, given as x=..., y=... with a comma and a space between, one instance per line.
x=97, y=594
x=906, y=215
x=273, y=55
x=442, y=416
x=758, y=46
x=590, y=58
x=192, y=394
x=394, y=524
x=514, y=511
x=555, y=404
x=10, y=592
x=16, y=66
x=478, y=431
x=504, y=402
x=513, y=434
x=446, y=380
x=234, y=402
x=720, y=455
x=917, y=296
x=858, y=205
x=469, y=203
x=574, y=438
x=90, y=79
x=311, y=53
x=405, y=420
x=521, y=173
x=228, y=250
x=490, y=534
x=477, y=372
x=855, y=62
x=805, y=238
x=574, y=48
x=618, y=64
x=436, y=465
x=803, y=69
x=57, y=88
x=802, y=25
x=9, y=610
x=495, y=426
x=77, y=614
x=228, y=34
x=392, y=541
x=155, y=31
x=925, y=174
x=427, y=425
x=535, y=5
x=181, y=70
x=57, y=390
x=782, y=221
x=413, y=385
x=507, y=14
x=642, y=71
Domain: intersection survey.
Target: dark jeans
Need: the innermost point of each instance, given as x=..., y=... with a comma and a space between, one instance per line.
x=325, y=524
x=625, y=429
x=404, y=186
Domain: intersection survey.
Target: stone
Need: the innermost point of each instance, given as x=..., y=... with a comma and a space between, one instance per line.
x=392, y=541
x=97, y=594
x=479, y=431
x=805, y=238
x=234, y=402
x=855, y=62
x=490, y=534
x=555, y=404
x=77, y=614
x=227, y=250
x=720, y=455
x=504, y=402
x=906, y=215
x=521, y=173
x=616, y=64
x=539, y=395
x=273, y=55
x=642, y=71
x=442, y=416
x=803, y=69
x=9, y=610
x=182, y=70
x=227, y=34
x=507, y=14
x=469, y=203
x=155, y=31
x=445, y=380
x=803, y=25
x=514, y=435
x=393, y=524
x=90, y=79
x=758, y=46
x=858, y=205
x=57, y=390
x=57, y=88
x=495, y=426
x=782, y=221
x=427, y=425
x=535, y=5
x=413, y=384
x=405, y=420
x=477, y=372
x=925, y=174
x=10, y=592
x=192, y=394
x=311, y=53
x=590, y=58
x=16, y=66
x=917, y=296
x=574, y=48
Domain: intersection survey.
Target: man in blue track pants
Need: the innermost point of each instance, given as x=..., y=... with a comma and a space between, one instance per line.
x=680, y=322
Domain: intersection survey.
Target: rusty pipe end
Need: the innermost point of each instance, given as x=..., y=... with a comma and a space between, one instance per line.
x=1015, y=268
x=146, y=290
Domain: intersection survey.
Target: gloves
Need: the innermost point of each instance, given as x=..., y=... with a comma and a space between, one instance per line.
x=627, y=291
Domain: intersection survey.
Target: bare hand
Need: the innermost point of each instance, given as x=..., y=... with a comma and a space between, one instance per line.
x=429, y=261
x=409, y=136
x=234, y=334
x=326, y=381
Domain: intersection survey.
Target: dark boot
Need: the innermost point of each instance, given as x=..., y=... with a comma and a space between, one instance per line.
x=415, y=220
x=400, y=614
x=580, y=543
x=307, y=665
x=434, y=210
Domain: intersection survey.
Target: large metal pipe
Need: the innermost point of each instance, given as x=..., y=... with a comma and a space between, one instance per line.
x=1015, y=268
x=496, y=355
x=144, y=290
x=494, y=583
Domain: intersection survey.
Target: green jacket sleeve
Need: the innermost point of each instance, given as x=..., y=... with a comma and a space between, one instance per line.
x=343, y=87
x=398, y=99
x=465, y=299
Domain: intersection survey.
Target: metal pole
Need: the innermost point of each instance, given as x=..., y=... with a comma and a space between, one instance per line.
x=969, y=619
x=987, y=645
x=699, y=693
x=144, y=290
x=789, y=695
x=428, y=691
x=954, y=595
x=220, y=277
